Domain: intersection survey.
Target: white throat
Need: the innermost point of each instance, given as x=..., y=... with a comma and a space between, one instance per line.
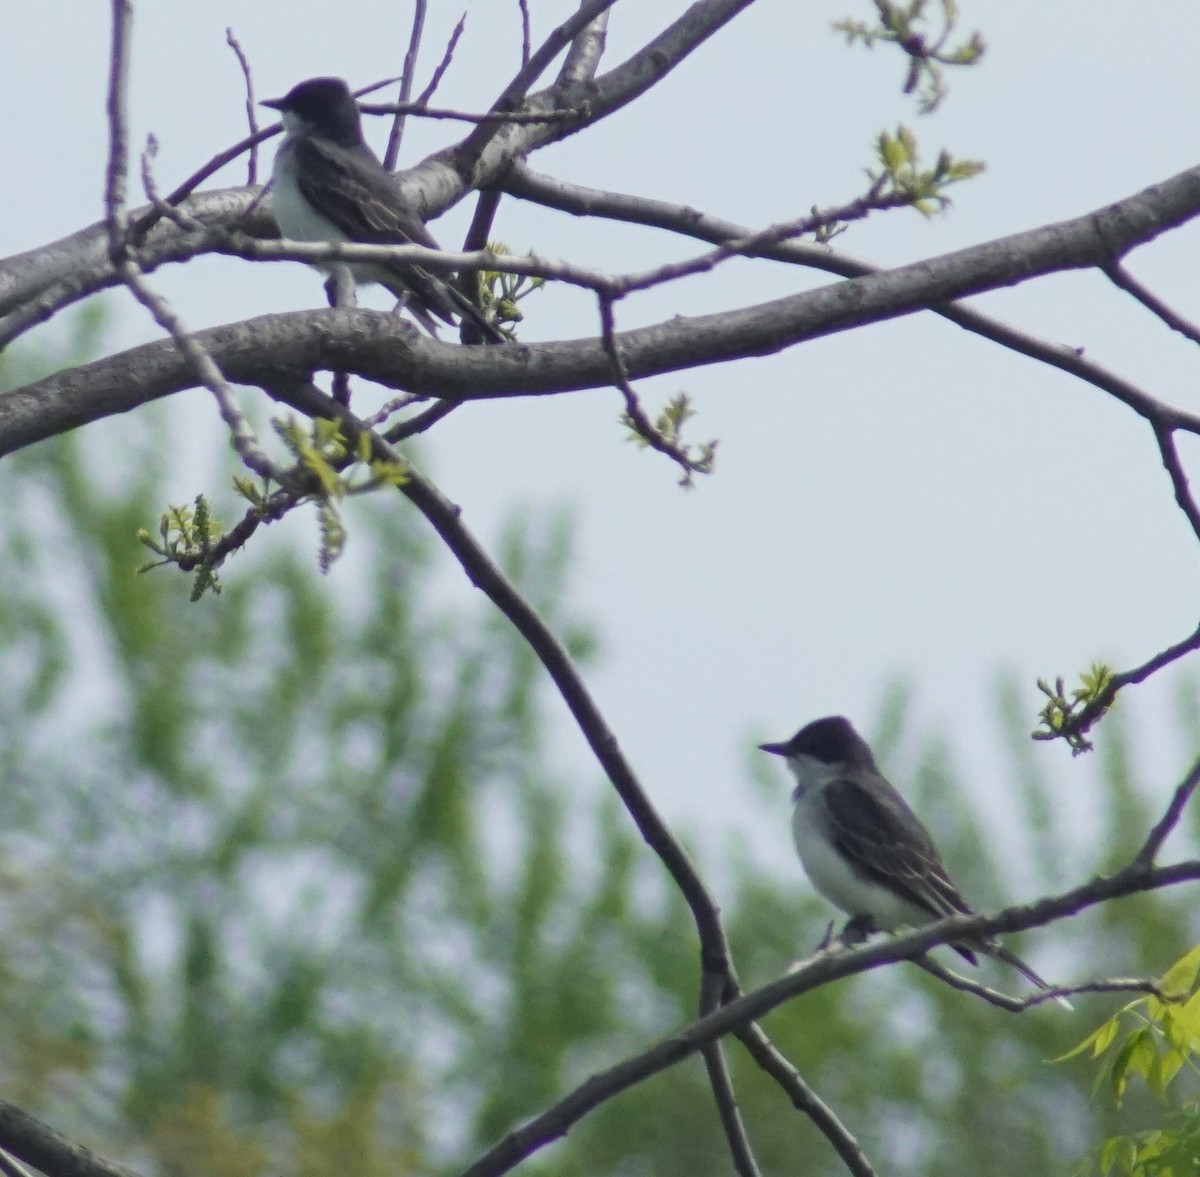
x=810, y=773
x=293, y=125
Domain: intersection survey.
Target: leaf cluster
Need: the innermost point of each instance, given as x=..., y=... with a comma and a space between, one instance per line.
x=667, y=431
x=912, y=28
x=901, y=176
x=1153, y=1039
x=1064, y=717
x=499, y=293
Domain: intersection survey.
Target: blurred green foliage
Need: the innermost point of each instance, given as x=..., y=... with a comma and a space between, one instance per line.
x=289, y=881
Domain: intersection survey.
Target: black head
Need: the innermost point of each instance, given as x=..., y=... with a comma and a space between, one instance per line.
x=323, y=105
x=831, y=740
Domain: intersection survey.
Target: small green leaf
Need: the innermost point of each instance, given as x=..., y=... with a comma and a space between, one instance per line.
x=1166, y=1066
x=1099, y=1040
x=1180, y=978
x=1119, y=1149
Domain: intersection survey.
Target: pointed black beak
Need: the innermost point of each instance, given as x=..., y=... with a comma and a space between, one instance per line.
x=774, y=749
x=273, y=103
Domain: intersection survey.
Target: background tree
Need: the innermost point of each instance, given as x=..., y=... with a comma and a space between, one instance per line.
x=308, y=890
x=280, y=356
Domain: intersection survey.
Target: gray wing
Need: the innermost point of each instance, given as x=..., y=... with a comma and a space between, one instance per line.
x=354, y=191
x=885, y=842
x=351, y=188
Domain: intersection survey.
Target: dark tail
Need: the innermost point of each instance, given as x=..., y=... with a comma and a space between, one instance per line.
x=996, y=949
x=427, y=294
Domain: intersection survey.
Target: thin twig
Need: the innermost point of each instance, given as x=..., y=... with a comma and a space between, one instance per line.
x=439, y=260
x=1170, y=819
x=712, y=990
x=1122, y=278
x=299, y=485
x=818, y=221
x=473, y=146
x=406, y=83
x=422, y=421
x=10, y=1168
x=207, y=373
x=773, y=1062
x=176, y=215
x=151, y=218
x=525, y=38
x=1165, y=436
x=118, y=147
x=579, y=200
x=634, y=413
x=274, y=508
x=1017, y=1005
x=1082, y=721
x=251, y=106
x=444, y=64
x=418, y=108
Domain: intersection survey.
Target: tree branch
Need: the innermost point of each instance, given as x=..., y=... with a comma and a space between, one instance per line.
x=1170, y=819
x=379, y=347
x=251, y=108
x=40, y=1146
x=718, y=977
x=469, y=152
x=558, y=1119
x=1122, y=278
x=1165, y=437
x=1017, y=1005
x=712, y=987
x=804, y=1099
x=118, y=147
x=523, y=182
x=406, y=83
x=583, y=58
x=1082, y=721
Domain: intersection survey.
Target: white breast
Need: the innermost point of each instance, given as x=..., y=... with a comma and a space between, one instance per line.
x=832, y=877
x=293, y=214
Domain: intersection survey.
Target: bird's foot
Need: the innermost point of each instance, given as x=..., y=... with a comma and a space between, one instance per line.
x=340, y=288
x=858, y=929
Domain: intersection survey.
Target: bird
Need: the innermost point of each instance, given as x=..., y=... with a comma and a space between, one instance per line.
x=862, y=846
x=328, y=185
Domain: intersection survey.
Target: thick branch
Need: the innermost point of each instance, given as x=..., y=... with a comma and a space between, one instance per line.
x=583, y=58
x=80, y=260
x=431, y=187
x=380, y=347
x=578, y=200
x=40, y=1146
